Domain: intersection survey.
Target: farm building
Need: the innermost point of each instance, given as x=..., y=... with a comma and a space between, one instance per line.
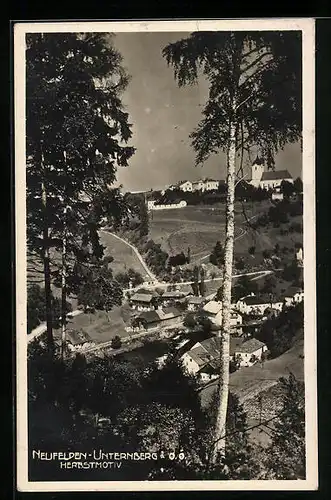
x=153, y=205
x=253, y=305
x=78, y=340
x=144, y=300
x=161, y=317
x=171, y=297
x=202, y=360
x=194, y=303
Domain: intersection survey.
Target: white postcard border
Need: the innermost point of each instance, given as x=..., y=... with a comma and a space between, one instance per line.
x=307, y=26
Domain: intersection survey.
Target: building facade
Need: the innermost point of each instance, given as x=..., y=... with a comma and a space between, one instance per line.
x=249, y=352
x=270, y=179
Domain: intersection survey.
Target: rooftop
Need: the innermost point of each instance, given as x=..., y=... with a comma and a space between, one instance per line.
x=258, y=161
x=173, y=294
x=142, y=297
x=208, y=351
x=76, y=337
x=213, y=307
x=273, y=175
x=250, y=346
x=149, y=316
x=195, y=300
x=160, y=315
x=252, y=300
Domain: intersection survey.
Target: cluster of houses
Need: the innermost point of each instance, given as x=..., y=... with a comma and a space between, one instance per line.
x=202, y=360
x=201, y=185
x=260, y=176
x=150, y=304
x=167, y=309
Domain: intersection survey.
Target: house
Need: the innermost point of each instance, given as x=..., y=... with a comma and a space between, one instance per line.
x=171, y=297
x=194, y=303
x=249, y=352
x=213, y=311
x=211, y=185
x=270, y=179
x=162, y=317
x=142, y=301
x=78, y=340
x=299, y=256
x=153, y=205
x=185, y=186
x=277, y=195
x=252, y=305
x=205, y=185
x=202, y=360
x=198, y=185
x=293, y=296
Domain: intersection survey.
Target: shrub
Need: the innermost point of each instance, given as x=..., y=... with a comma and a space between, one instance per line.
x=116, y=342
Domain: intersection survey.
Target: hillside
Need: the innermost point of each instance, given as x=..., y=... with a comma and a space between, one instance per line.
x=247, y=383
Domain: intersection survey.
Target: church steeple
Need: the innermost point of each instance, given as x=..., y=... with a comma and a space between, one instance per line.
x=257, y=170
x=258, y=160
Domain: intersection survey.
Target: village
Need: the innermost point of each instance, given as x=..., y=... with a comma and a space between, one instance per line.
x=188, y=315
x=164, y=303
x=194, y=324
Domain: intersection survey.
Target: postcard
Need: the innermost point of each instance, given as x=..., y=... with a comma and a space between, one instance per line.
x=165, y=255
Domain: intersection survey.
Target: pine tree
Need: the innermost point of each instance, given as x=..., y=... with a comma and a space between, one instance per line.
x=254, y=101
x=76, y=130
x=286, y=457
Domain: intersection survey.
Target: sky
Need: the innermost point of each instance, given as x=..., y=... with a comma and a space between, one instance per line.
x=163, y=115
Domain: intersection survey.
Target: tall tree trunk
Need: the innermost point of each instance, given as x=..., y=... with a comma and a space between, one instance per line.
x=223, y=385
x=47, y=273
x=64, y=286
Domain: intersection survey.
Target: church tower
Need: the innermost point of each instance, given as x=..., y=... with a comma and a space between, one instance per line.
x=257, y=171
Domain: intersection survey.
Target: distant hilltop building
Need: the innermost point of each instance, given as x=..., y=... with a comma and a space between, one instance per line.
x=153, y=205
x=200, y=185
x=270, y=179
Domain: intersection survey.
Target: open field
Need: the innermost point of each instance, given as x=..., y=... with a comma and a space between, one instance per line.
x=124, y=257
x=197, y=227
x=267, y=238
x=100, y=326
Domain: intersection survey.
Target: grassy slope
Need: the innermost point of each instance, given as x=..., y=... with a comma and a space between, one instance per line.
x=100, y=326
x=200, y=228
x=123, y=255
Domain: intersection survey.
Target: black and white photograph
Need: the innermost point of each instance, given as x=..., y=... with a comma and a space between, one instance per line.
x=165, y=255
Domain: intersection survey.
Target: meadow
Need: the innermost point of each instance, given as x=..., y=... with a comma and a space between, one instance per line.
x=124, y=257
x=199, y=227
